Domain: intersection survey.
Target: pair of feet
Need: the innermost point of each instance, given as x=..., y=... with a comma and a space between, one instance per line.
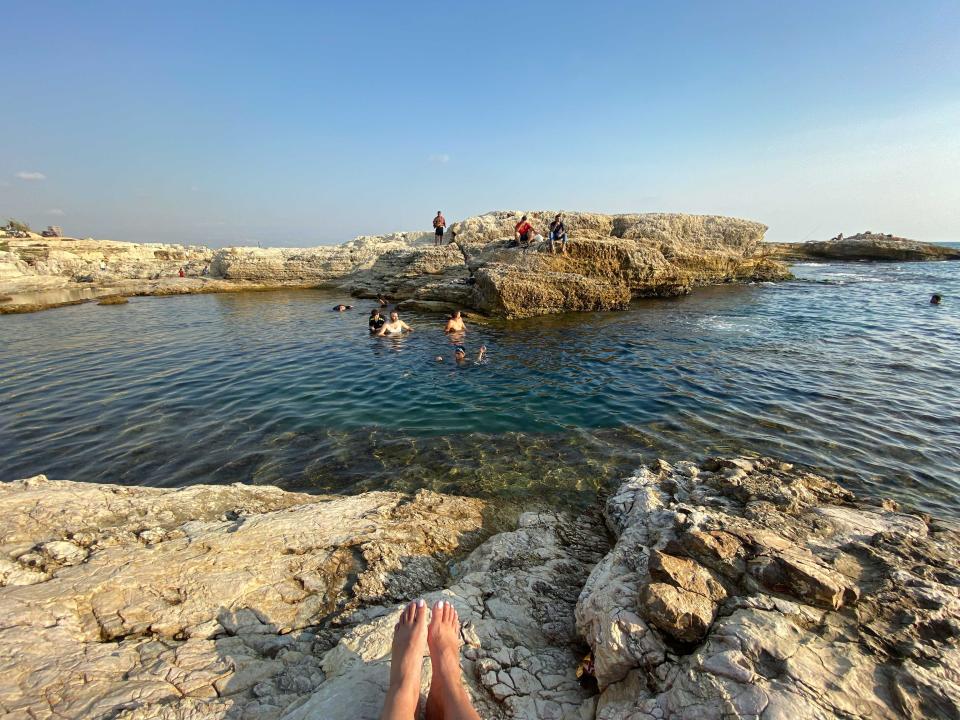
x=412, y=636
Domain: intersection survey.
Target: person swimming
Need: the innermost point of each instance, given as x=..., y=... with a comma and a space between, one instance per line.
x=376, y=320
x=455, y=323
x=342, y=308
x=395, y=326
x=936, y=298
x=460, y=355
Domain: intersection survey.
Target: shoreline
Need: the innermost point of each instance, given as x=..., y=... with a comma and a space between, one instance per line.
x=683, y=584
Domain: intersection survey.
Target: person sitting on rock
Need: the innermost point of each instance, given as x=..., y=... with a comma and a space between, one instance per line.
x=558, y=233
x=395, y=326
x=342, y=308
x=376, y=320
x=412, y=636
x=523, y=232
x=455, y=323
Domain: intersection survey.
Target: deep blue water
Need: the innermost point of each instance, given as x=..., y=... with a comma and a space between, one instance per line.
x=848, y=370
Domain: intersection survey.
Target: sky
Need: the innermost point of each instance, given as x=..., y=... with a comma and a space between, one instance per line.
x=305, y=123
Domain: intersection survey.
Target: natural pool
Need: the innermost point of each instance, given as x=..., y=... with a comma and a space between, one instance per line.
x=849, y=370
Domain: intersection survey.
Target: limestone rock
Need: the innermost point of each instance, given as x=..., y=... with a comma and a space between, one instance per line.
x=863, y=246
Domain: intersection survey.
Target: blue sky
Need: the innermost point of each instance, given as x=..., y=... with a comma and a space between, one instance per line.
x=304, y=123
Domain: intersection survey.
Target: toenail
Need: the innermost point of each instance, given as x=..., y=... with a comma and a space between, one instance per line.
x=420, y=603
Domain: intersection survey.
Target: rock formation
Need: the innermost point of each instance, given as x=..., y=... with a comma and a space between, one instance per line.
x=737, y=588
x=611, y=259
x=863, y=246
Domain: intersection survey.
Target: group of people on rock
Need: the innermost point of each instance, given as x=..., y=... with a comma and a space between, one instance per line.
x=524, y=233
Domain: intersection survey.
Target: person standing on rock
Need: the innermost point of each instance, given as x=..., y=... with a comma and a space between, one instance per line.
x=412, y=637
x=558, y=233
x=181, y=273
x=439, y=224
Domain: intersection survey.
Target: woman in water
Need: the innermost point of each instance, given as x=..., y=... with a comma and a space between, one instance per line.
x=394, y=326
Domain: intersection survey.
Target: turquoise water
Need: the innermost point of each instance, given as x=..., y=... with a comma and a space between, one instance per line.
x=849, y=370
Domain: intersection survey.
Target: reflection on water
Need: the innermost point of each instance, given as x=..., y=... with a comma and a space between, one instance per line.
x=54, y=296
x=850, y=371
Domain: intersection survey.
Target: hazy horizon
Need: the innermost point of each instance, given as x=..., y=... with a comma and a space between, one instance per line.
x=292, y=125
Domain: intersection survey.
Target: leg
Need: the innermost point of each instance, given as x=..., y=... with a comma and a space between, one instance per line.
x=451, y=700
x=406, y=661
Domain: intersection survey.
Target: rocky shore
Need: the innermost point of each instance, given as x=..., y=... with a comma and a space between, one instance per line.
x=734, y=588
x=866, y=246
x=611, y=259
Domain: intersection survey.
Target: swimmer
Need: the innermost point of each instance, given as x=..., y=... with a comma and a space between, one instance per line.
x=455, y=323
x=382, y=300
x=341, y=308
x=395, y=326
x=936, y=298
x=376, y=320
x=412, y=638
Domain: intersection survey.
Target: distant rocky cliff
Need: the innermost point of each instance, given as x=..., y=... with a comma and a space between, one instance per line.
x=864, y=246
x=610, y=259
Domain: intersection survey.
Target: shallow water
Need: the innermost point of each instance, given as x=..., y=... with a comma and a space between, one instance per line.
x=848, y=370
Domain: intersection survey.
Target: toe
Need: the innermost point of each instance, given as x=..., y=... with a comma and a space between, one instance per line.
x=421, y=611
x=448, y=612
x=408, y=613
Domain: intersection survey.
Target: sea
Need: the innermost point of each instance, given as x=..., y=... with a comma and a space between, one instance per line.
x=847, y=370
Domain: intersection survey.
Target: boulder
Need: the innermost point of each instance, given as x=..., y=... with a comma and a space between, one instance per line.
x=863, y=246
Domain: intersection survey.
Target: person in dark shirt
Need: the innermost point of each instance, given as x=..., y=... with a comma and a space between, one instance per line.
x=341, y=308
x=558, y=234
x=376, y=320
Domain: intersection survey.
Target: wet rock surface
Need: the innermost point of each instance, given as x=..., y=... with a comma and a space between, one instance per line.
x=734, y=588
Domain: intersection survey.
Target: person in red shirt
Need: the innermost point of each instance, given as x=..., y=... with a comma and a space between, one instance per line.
x=181, y=273
x=523, y=231
x=439, y=223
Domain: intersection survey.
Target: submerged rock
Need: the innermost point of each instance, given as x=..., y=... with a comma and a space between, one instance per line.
x=863, y=246
x=736, y=588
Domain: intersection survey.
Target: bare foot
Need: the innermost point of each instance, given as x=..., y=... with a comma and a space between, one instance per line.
x=406, y=661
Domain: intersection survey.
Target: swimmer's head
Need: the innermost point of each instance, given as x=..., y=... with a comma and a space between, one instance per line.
x=375, y=312
x=456, y=314
x=459, y=353
x=936, y=298
x=394, y=316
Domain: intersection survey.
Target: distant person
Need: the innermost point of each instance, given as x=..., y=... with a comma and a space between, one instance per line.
x=376, y=320
x=460, y=355
x=342, y=308
x=522, y=232
x=395, y=326
x=181, y=273
x=439, y=225
x=382, y=300
x=558, y=233
x=455, y=323
x=936, y=298
x=205, y=271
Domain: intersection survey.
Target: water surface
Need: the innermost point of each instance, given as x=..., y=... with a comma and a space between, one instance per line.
x=848, y=370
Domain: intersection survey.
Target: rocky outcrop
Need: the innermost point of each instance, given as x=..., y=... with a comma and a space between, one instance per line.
x=737, y=588
x=865, y=246
x=610, y=260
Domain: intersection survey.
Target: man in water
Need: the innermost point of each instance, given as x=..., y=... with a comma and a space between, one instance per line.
x=412, y=637
x=395, y=326
x=341, y=308
x=558, y=233
x=936, y=298
x=522, y=232
x=460, y=355
x=455, y=323
x=382, y=300
x=376, y=320
x=439, y=223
